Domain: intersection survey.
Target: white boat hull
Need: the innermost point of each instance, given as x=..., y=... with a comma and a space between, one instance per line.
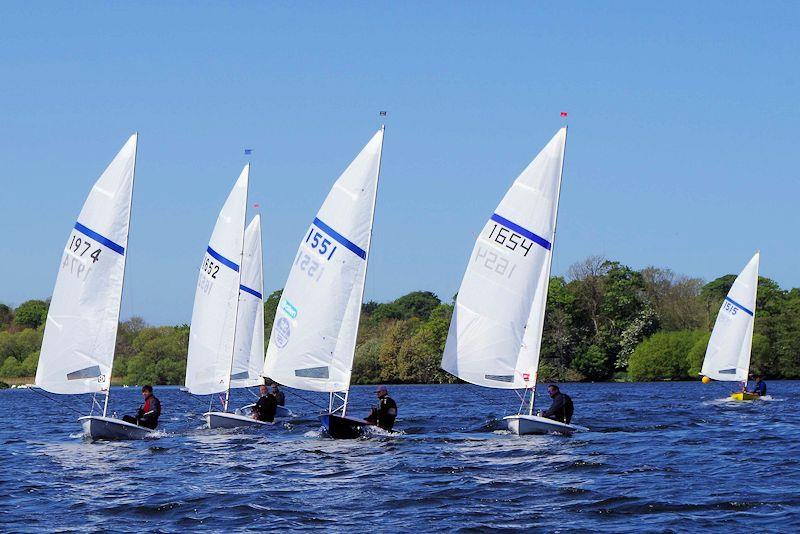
x=108, y=428
x=534, y=424
x=231, y=420
x=281, y=412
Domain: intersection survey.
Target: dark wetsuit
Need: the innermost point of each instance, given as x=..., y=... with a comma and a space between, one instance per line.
x=760, y=389
x=561, y=409
x=265, y=408
x=280, y=397
x=385, y=414
x=148, y=413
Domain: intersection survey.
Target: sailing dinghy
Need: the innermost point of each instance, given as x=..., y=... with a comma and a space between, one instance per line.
x=226, y=337
x=496, y=331
x=313, y=337
x=728, y=353
x=77, y=354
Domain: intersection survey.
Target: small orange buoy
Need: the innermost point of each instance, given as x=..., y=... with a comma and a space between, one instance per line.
x=706, y=380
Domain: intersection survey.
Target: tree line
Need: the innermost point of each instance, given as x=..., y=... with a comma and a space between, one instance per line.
x=604, y=321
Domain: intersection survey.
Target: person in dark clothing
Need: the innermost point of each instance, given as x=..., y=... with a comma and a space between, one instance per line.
x=386, y=412
x=760, y=387
x=265, y=407
x=148, y=413
x=279, y=396
x=562, y=408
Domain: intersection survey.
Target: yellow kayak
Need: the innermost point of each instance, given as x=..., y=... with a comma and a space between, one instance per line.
x=741, y=396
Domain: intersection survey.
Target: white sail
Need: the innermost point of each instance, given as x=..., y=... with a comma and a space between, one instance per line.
x=314, y=333
x=80, y=334
x=496, y=329
x=216, y=299
x=248, y=353
x=728, y=352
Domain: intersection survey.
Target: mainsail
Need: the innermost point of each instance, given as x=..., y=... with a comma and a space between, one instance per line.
x=216, y=300
x=80, y=334
x=496, y=329
x=314, y=334
x=728, y=352
x=248, y=352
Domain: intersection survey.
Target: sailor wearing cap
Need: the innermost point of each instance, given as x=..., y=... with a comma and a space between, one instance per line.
x=386, y=412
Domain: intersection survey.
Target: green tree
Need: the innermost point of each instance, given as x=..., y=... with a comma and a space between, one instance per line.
x=31, y=314
x=366, y=363
x=6, y=316
x=270, y=309
x=663, y=356
x=11, y=368
x=592, y=363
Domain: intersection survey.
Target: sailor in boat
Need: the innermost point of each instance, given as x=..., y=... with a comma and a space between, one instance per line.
x=148, y=413
x=280, y=397
x=385, y=413
x=562, y=408
x=759, y=388
x=265, y=407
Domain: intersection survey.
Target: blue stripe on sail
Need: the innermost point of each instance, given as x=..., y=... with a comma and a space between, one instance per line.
x=522, y=231
x=748, y=312
x=342, y=240
x=119, y=249
x=251, y=291
x=222, y=259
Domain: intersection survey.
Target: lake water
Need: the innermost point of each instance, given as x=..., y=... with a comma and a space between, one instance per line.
x=659, y=457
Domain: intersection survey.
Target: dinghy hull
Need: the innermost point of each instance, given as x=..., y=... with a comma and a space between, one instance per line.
x=108, y=428
x=533, y=424
x=342, y=427
x=231, y=420
x=741, y=396
x=281, y=412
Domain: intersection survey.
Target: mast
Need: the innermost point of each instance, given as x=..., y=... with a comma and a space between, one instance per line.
x=238, y=293
x=550, y=260
x=124, y=264
x=366, y=265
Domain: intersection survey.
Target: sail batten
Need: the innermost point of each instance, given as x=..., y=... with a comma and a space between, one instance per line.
x=77, y=353
x=313, y=337
x=495, y=333
x=727, y=355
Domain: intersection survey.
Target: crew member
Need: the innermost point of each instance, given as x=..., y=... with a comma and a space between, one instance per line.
x=265, y=407
x=279, y=396
x=760, y=387
x=386, y=412
x=148, y=413
x=561, y=409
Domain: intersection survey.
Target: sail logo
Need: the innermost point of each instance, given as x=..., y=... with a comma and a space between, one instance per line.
x=289, y=309
x=283, y=331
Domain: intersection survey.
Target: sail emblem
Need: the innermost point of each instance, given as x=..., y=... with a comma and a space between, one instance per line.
x=282, y=332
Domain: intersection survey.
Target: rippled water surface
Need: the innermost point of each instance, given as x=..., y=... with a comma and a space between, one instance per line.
x=659, y=457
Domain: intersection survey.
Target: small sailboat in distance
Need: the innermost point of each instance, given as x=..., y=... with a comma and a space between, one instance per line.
x=77, y=353
x=313, y=337
x=496, y=331
x=223, y=335
x=728, y=353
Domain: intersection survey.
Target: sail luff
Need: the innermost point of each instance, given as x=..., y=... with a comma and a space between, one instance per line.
x=366, y=260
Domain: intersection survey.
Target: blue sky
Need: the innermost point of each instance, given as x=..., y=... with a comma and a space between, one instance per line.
x=682, y=149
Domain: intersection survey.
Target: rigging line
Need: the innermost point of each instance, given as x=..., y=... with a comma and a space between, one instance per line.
x=321, y=407
x=56, y=401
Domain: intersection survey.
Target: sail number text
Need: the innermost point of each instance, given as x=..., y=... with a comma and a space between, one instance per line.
x=510, y=240
x=79, y=247
x=320, y=243
x=495, y=262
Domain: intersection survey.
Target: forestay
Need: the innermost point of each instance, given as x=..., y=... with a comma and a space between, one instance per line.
x=248, y=353
x=496, y=329
x=728, y=352
x=314, y=333
x=211, y=337
x=78, y=347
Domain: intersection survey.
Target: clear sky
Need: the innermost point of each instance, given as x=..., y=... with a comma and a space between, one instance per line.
x=682, y=151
